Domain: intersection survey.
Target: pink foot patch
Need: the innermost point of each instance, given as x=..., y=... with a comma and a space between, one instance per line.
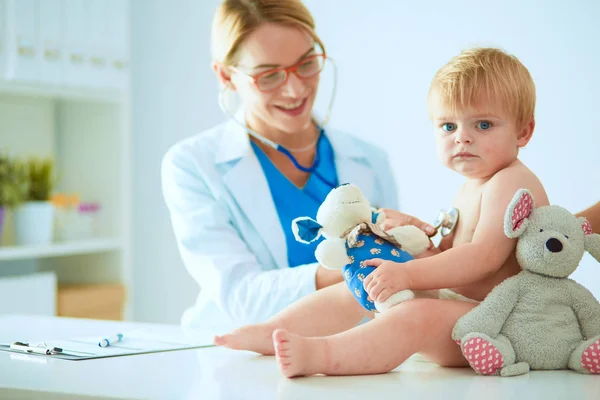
x=483, y=357
x=590, y=359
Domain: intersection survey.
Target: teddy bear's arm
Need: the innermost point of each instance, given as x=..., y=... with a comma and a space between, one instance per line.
x=491, y=314
x=412, y=239
x=586, y=308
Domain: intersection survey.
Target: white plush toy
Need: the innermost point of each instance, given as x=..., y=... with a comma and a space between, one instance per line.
x=352, y=235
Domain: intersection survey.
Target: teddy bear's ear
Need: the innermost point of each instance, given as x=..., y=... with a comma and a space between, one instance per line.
x=306, y=229
x=377, y=217
x=517, y=214
x=591, y=241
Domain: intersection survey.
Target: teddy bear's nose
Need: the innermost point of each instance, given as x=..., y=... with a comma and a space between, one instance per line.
x=554, y=245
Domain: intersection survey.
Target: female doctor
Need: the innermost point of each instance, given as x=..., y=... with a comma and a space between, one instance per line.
x=232, y=191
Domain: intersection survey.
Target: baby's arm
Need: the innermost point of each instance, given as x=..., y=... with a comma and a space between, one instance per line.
x=445, y=244
x=489, y=249
x=433, y=250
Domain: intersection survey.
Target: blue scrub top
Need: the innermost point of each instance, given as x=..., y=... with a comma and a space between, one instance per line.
x=292, y=202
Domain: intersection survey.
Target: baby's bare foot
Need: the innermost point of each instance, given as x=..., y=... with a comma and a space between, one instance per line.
x=297, y=355
x=257, y=338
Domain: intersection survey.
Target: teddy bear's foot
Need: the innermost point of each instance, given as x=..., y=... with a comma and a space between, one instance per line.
x=586, y=357
x=486, y=355
x=519, y=368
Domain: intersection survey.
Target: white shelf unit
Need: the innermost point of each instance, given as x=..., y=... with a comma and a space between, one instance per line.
x=74, y=107
x=78, y=247
x=59, y=92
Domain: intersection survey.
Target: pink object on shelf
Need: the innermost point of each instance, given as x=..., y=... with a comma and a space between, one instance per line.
x=1, y=220
x=89, y=207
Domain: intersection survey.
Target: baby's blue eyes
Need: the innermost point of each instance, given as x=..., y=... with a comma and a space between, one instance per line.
x=484, y=125
x=448, y=127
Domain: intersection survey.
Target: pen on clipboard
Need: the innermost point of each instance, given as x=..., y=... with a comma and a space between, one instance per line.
x=110, y=340
x=39, y=348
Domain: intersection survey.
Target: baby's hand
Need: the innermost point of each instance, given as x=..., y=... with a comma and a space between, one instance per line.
x=388, y=278
x=395, y=218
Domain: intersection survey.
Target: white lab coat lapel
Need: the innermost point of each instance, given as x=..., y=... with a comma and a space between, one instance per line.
x=249, y=187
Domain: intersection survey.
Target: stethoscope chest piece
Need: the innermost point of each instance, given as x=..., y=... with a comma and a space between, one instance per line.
x=446, y=220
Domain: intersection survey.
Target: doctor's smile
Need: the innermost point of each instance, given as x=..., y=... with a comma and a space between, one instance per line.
x=293, y=109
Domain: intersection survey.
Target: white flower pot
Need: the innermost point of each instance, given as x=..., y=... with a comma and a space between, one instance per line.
x=34, y=223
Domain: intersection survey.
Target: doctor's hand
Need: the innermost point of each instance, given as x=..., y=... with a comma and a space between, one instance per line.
x=395, y=218
x=327, y=277
x=388, y=278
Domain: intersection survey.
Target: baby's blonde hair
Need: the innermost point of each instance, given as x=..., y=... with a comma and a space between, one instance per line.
x=236, y=19
x=485, y=74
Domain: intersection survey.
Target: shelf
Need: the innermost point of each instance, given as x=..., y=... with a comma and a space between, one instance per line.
x=60, y=249
x=61, y=92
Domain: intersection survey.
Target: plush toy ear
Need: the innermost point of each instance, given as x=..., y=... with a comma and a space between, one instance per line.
x=306, y=229
x=517, y=214
x=591, y=241
x=377, y=217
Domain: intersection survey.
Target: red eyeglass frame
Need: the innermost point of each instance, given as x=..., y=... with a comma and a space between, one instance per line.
x=288, y=70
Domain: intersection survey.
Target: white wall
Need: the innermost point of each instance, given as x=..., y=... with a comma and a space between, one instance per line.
x=387, y=53
x=174, y=96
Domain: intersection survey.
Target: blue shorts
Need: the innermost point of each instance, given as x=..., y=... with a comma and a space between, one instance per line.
x=368, y=246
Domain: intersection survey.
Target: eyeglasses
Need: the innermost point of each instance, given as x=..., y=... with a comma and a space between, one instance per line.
x=275, y=78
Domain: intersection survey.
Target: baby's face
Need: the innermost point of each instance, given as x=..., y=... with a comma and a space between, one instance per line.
x=476, y=143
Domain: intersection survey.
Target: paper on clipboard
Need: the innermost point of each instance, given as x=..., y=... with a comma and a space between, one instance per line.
x=86, y=348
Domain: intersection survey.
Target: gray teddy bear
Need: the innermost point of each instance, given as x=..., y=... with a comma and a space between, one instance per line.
x=538, y=319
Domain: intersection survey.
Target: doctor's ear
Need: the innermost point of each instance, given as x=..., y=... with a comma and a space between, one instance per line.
x=223, y=75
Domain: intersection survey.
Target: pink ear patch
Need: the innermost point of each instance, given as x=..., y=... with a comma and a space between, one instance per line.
x=587, y=227
x=521, y=211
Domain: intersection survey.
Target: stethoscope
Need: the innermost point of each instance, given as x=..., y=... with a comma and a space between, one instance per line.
x=446, y=220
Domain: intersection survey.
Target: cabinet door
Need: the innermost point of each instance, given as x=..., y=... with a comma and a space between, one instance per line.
x=76, y=62
x=51, y=41
x=3, y=38
x=22, y=59
x=97, y=43
x=118, y=42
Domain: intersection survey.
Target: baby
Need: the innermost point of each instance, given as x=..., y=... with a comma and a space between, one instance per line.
x=482, y=107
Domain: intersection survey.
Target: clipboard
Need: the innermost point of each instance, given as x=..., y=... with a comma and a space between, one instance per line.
x=87, y=348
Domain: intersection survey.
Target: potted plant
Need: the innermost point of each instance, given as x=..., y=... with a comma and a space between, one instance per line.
x=34, y=219
x=13, y=185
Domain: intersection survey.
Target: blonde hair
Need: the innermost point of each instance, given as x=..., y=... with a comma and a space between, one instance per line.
x=236, y=19
x=481, y=74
